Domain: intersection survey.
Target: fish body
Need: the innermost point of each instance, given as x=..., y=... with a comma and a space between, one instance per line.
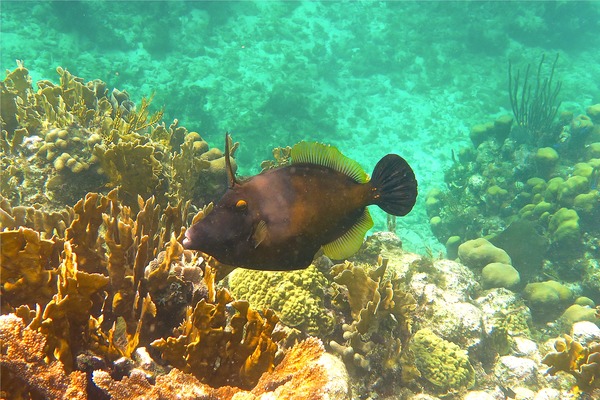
x=279, y=219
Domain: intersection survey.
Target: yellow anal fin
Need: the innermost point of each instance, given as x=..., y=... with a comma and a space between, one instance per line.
x=349, y=243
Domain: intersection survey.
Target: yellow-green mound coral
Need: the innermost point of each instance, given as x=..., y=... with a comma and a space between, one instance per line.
x=478, y=253
x=547, y=298
x=577, y=312
x=495, y=275
x=564, y=226
x=546, y=159
x=297, y=296
x=442, y=363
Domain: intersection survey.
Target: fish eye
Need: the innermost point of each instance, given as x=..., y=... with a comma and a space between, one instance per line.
x=241, y=205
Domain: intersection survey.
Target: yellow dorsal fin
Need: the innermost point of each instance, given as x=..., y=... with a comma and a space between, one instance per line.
x=328, y=156
x=349, y=243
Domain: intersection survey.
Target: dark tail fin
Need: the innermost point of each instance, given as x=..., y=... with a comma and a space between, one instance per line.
x=395, y=185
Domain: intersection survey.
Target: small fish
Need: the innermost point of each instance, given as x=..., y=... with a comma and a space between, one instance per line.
x=279, y=219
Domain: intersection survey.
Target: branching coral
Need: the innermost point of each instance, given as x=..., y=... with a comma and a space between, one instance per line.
x=379, y=310
x=63, y=140
x=583, y=362
x=221, y=353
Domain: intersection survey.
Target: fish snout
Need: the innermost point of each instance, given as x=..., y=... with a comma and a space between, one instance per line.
x=187, y=240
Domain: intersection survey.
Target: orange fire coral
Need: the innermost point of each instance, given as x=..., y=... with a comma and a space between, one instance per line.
x=108, y=293
x=219, y=352
x=301, y=375
x=26, y=275
x=573, y=358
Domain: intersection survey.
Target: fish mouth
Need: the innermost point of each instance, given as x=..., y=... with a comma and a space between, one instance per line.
x=187, y=241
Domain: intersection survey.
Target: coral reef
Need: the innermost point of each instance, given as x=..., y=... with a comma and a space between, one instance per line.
x=532, y=193
x=442, y=363
x=93, y=298
x=67, y=139
x=110, y=305
x=583, y=362
x=297, y=296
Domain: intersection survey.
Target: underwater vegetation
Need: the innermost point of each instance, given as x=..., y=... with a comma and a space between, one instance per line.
x=534, y=105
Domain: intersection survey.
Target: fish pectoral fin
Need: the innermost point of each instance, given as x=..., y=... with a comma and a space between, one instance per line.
x=349, y=243
x=260, y=233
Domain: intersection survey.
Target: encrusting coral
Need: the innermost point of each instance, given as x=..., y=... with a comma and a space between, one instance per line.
x=23, y=361
x=300, y=375
x=297, y=296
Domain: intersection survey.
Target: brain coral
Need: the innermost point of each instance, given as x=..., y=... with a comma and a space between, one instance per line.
x=297, y=296
x=478, y=253
x=442, y=363
x=496, y=275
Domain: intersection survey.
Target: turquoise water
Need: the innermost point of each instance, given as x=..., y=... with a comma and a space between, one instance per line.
x=370, y=78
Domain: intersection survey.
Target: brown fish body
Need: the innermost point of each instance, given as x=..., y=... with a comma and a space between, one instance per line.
x=308, y=206
x=279, y=219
